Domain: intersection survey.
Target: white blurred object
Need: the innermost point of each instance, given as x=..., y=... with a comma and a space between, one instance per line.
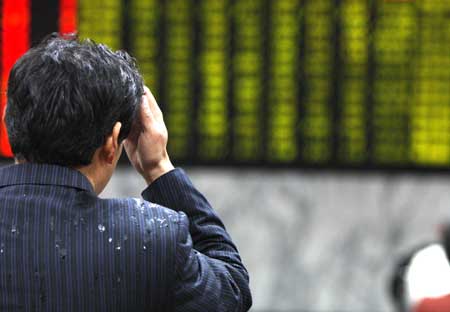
x=428, y=275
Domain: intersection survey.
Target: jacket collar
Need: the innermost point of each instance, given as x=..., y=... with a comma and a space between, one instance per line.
x=43, y=174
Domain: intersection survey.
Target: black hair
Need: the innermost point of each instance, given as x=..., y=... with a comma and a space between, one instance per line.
x=64, y=97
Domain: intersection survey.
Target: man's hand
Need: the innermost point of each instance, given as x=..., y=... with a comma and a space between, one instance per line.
x=147, y=141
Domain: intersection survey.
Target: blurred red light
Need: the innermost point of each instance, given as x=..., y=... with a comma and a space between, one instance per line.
x=67, y=16
x=15, y=41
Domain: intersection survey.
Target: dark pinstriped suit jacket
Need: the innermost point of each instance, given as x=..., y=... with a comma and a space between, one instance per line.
x=62, y=248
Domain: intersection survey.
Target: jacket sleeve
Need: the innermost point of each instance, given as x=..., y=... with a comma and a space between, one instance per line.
x=210, y=275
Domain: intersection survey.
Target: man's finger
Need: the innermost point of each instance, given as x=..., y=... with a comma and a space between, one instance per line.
x=145, y=113
x=156, y=111
x=136, y=127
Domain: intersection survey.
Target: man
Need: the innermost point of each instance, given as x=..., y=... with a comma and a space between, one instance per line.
x=421, y=280
x=429, y=275
x=71, y=107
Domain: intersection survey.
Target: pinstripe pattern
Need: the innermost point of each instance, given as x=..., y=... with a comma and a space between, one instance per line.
x=64, y=249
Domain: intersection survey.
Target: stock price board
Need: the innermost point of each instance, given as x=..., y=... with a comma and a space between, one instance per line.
x=301, y=83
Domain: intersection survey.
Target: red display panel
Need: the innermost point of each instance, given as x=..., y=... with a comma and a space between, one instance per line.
x=67, y=16
x=15, y=40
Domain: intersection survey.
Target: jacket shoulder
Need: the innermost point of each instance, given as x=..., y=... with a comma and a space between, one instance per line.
x=146, y=222
x=137, y=205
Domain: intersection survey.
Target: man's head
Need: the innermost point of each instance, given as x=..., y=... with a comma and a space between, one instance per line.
x=65, y=97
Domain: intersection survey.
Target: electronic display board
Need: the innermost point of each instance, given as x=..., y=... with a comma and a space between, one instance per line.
x=302, y=83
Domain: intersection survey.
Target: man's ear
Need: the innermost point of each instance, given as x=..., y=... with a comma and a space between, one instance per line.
x=112, y=146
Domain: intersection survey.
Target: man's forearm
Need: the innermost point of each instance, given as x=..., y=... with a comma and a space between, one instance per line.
x=175, y=191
